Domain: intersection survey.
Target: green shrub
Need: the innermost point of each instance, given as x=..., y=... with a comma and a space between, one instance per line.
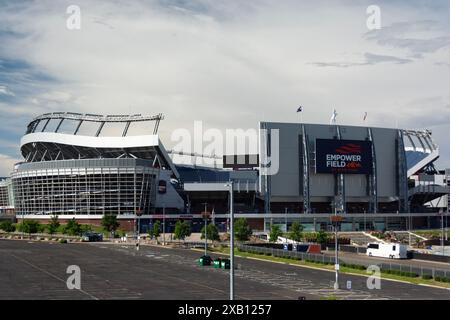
x=442, y=279
x=427, y=277
x=7, y=226
x=30, y=226
x=402, y=273
x=63, y=241
x=72, y=228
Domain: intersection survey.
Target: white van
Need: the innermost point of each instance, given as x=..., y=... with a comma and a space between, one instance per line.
x=387, y=250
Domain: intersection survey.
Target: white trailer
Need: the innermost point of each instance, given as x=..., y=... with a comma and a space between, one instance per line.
x=387, y=250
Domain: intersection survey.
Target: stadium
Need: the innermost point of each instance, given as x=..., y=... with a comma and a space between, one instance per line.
x=84, y=166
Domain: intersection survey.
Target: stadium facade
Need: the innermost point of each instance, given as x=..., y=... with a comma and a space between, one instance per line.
x=74, y=167
x=6, y=198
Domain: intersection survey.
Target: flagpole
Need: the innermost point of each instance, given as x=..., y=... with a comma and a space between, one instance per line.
x=300, y=111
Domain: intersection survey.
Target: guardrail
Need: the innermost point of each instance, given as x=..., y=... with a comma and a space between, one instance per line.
x=329, y=259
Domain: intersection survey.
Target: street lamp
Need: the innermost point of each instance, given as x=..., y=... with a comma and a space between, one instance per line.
x=230, y=187
x=138, y=235
x=335, y=220
x=285, y=219
x=164, y=224
x=442, y=233
x=205, y=215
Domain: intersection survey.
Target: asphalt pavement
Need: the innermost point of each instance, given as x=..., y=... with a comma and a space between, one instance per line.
x=38, y=270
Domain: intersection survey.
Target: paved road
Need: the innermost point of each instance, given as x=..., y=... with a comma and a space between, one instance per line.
x=32, y=270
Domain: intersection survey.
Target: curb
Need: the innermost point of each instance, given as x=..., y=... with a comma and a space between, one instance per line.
x=322, y=269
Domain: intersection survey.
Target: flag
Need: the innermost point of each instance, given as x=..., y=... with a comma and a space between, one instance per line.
x=365, y=116
x=300, y=109
x=333, y=117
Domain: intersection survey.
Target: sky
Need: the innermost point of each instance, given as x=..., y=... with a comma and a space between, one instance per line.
x=229, y=64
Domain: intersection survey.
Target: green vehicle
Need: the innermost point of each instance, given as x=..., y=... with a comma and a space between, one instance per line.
x=225, y=264
x=204, y=261
x=217, y=263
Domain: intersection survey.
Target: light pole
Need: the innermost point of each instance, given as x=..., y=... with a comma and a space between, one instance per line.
x=138, y=230
x=23, y=216
x=409, y=227
x=336, y=254
x=206, y=225
x=164, y=224
x=285, y=219
x=230, y=186
x=365, y=222
x=446, y=226
x=442, y=233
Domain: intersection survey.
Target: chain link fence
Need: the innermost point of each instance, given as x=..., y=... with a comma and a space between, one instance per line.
x=329, y=259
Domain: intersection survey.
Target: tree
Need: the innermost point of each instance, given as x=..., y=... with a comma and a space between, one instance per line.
x=72, y=228
x=85, y=228
x=7, y=226
x=275, y=232
x=182, y=230
x=212, y=232
x=242, y=230
x=322, y=237
x=296, y=232
x=110, y=223
x=29, y=226
x=53, y=226
x=155, y=231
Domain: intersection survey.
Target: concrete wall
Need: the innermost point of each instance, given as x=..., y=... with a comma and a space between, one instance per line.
x=286, y=185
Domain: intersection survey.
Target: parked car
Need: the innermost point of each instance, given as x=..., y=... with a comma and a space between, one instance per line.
x=91, y=237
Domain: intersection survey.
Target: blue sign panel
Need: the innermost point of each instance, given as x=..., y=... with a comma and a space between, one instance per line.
x=343, y=156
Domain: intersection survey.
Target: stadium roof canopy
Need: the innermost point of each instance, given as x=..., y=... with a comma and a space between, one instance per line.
x=48, y=139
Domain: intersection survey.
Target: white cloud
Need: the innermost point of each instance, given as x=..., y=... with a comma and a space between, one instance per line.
x=229, y=64
x=7, y=165
x=5, y=91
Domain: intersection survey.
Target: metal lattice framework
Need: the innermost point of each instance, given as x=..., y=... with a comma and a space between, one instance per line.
x=85, y=187
x=420, y=148
x=100, y=119
x=40, y=143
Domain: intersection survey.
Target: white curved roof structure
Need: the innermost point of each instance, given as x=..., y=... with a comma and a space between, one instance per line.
x=43, y=142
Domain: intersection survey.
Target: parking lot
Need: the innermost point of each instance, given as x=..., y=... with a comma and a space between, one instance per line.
x=37, y=270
